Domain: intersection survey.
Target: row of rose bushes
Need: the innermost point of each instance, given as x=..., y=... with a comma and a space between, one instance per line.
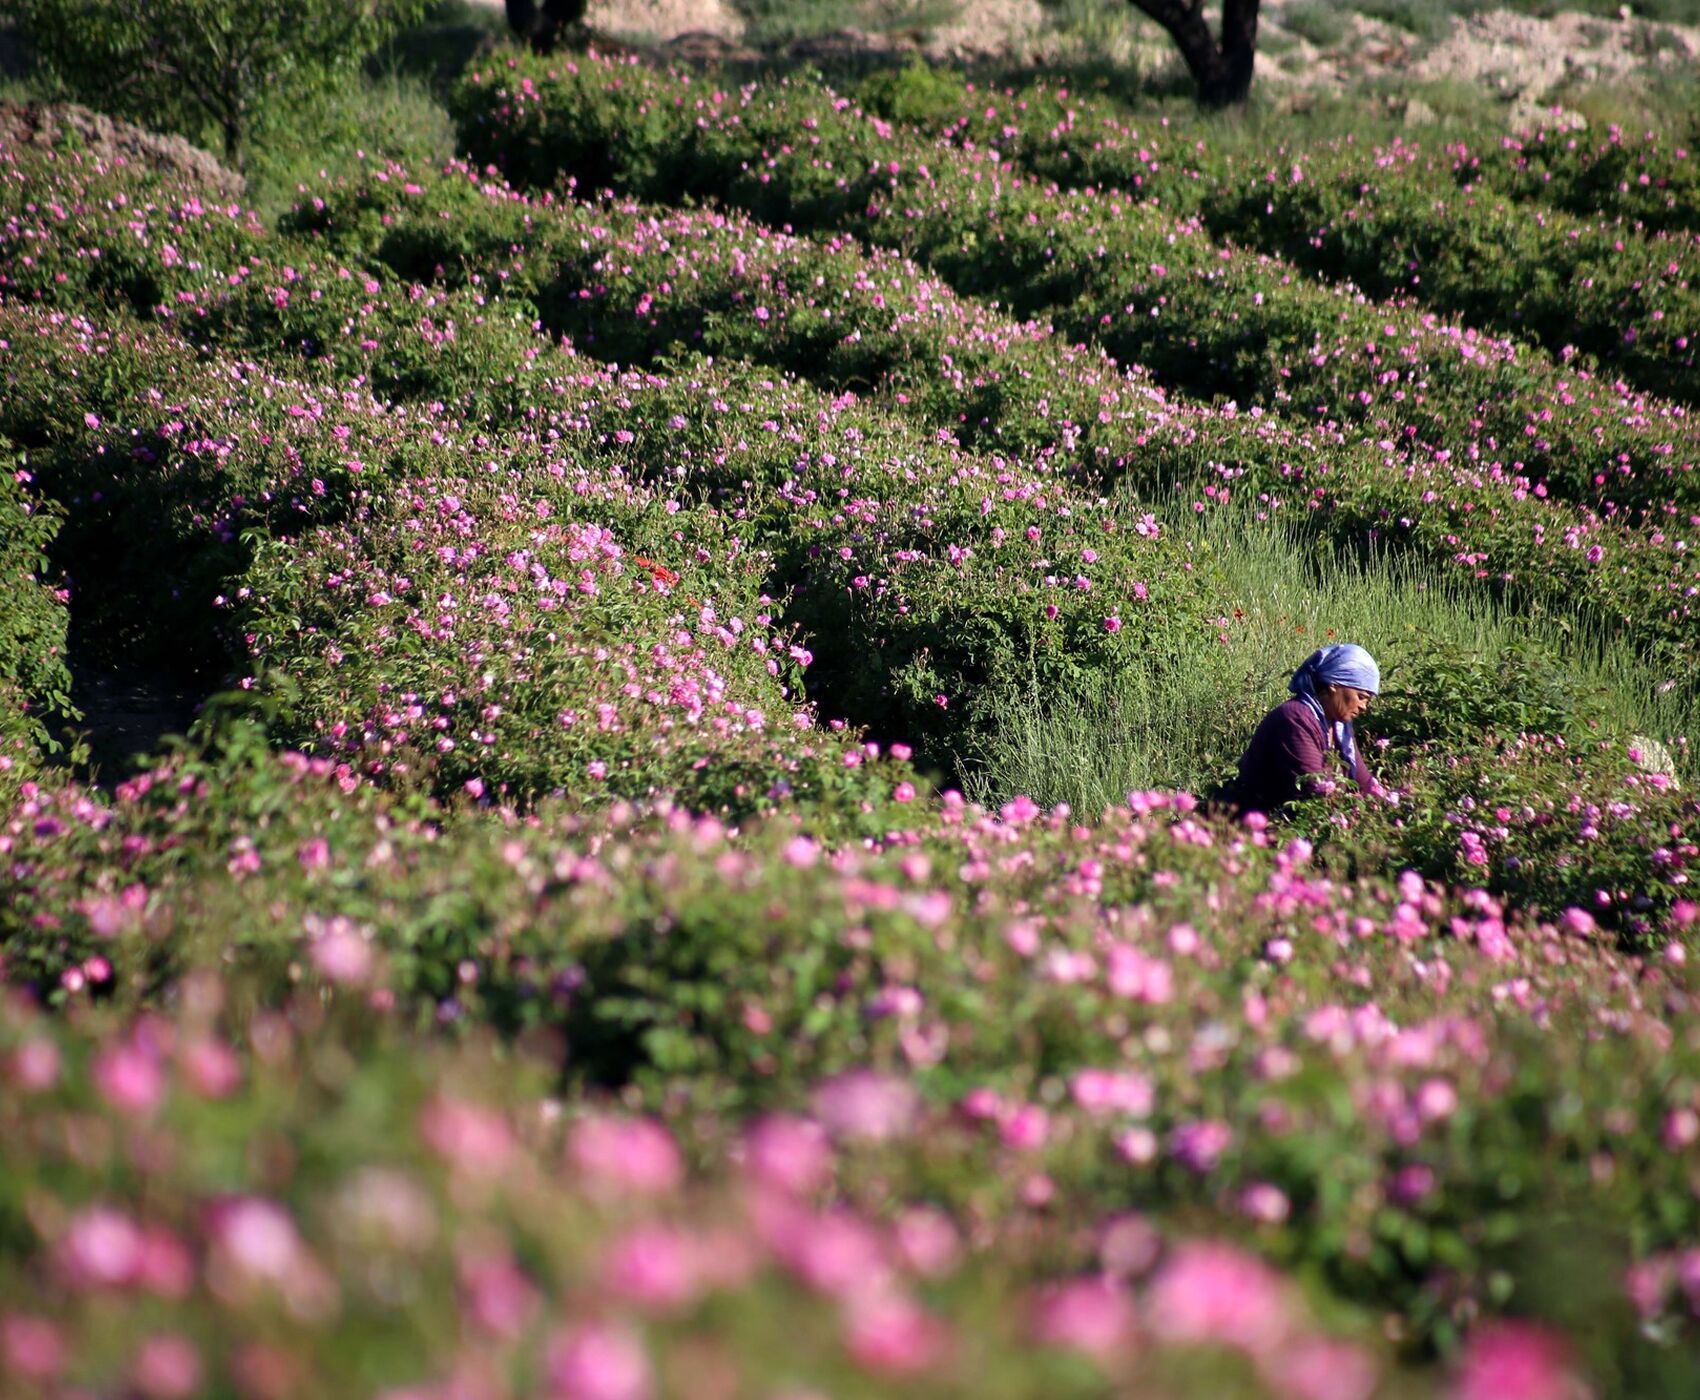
x=879, y=540
x=1407, y=1096
x=333, y=1208
x=1644, y=181
x=194, y=469
x=411, y=341
x=933, y=598
x=1649, y=178
x=1116, y=270
x=631, y=282
x=435, y=626
x=1152, y=288
x=34, y=682
x=1389, y=219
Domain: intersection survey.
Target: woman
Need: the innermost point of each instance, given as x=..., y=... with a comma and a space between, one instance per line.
x=1289, y=753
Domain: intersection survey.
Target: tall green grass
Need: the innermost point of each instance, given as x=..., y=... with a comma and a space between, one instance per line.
x=1456, y=655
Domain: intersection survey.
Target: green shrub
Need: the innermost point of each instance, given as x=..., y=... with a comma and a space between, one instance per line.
x=200, y=66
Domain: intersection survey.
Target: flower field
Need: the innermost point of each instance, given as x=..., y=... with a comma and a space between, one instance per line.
x=717, y=613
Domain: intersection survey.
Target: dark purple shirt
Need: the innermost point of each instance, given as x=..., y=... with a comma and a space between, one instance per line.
x=1285, y=757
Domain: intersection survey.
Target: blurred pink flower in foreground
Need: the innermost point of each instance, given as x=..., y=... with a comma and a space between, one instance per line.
x=598, y=1362
x=102, y=1249
x=1215, y=1293
x=167, y=1367
x=1322, y=1368
x=788, y=1153
x=1516, y=1361
x=469, y=1136
x=1092, y=1315
x=894, y=1335
x=867, y=1106
x=340, y=951
x=30, y=1347
x=652, y=1266
x=128, y=1077
x=633, y=1156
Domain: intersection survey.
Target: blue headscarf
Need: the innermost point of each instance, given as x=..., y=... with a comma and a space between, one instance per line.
x=1338, y=665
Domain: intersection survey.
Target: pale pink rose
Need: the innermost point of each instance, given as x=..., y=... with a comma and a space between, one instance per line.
x=1320, y=1368
x=927, y=1241
x=864, y=1105
x=1436, y=1099
x=598, y=1361
x=101, y=1249
x=1215, y=1293
x=788, y=1153
x=1138, y=976
x=167, y=1268
x=1265, y=1203
x=167, y=1367
x=1128, y=1245
x=257, y=1238
x=800, y=852
x=834, y=1253
x=652, y=1266
x=469, y=1136
x=634, y=1156
x=1106, y=1091
x=339, y=951
x=128, y=1077
x=34, y=1066
x=1091, y=1315
x=30, y=1347
x=1516, y=1361
x=893, y=1335
x=211, y=1068
x=495, y=1293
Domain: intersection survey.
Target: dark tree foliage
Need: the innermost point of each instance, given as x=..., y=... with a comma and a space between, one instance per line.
x=1221, y=70
x=541, y=23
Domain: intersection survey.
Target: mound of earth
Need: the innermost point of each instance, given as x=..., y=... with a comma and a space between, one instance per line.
x=107, y=139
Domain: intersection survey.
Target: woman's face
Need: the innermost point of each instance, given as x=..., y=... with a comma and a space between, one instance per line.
x=1342, y=704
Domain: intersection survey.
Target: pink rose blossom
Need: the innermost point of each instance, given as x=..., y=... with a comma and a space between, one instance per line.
x=626, y=1156
x=1090, y=1315
x=598, y=1362
x=864, y=1105
x=1516, y=1361
x=1218, y=1294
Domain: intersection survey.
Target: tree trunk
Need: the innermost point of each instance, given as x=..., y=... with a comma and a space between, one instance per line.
x=543, y=24
x=1221, y=72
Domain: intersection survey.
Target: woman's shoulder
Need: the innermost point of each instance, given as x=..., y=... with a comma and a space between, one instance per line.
x=1291, y=722
x=1289, y=714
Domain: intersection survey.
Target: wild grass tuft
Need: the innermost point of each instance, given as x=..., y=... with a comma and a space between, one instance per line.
x=1442, y=650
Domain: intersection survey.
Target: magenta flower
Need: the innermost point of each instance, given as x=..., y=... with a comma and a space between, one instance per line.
x=1217, y=1294
x=1516, y=1361
x=128, y=1076
x=892, y=1335
x=789, y=1154
x=652, y=1266
x=598, y=1361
